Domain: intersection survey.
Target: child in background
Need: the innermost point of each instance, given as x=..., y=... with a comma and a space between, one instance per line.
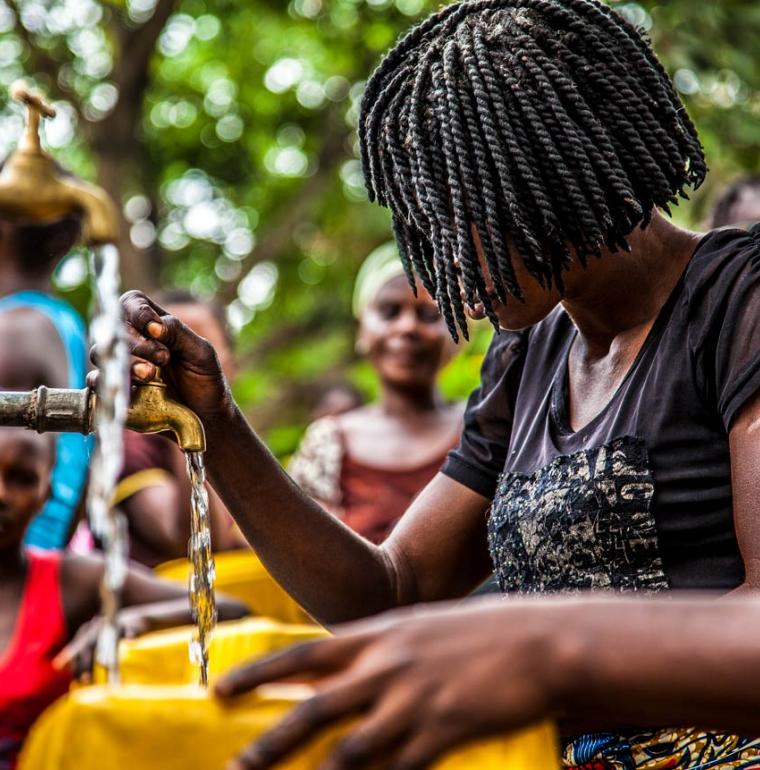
x=49, y=333
x=46, y=597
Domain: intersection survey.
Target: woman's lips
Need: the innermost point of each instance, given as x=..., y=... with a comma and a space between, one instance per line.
x=409, y=355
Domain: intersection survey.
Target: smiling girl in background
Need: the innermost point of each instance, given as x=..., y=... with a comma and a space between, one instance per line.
x=368, y=464
x=48, y=597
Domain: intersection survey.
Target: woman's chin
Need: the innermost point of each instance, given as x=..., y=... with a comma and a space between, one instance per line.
x=516, y=316
x=404, y=380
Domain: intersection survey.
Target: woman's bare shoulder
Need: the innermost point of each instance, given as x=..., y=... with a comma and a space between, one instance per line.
x=356, y=418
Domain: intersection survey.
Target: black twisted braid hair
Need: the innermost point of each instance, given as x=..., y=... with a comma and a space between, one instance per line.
x=548, y=125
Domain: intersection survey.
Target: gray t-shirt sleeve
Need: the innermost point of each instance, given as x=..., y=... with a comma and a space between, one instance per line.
x=725, y=336
x=479, y=459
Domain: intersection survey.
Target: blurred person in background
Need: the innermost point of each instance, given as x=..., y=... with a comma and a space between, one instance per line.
x=47, y=598
x=367, y=464
x=335, y=398
x=739, y=204
x=44, y=343
x=154, y=489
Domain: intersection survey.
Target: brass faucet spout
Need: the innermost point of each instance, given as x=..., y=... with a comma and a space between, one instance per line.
x=152, y=412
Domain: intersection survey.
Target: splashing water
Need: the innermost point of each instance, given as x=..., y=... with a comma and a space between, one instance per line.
x=202, y=577
x=107, y=336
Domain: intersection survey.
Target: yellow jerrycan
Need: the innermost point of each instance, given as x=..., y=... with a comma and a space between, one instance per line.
x=161, y=657
x=241, y=574
x=147, y=727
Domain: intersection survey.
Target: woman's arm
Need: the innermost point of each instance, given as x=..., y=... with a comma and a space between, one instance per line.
x=744, y=446
x=155, y=520
x=438, y=551
x=148, y=604
x=592, y=664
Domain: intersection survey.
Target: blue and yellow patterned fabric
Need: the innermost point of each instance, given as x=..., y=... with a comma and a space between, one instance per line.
x=666, y=749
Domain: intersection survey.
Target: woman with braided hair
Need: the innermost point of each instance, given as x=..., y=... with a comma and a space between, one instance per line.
x=527, y=150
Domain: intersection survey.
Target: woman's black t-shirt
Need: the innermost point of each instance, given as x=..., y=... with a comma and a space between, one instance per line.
x=640, y=498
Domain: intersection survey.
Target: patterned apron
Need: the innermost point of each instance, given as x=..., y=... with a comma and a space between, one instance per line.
x=584, y=522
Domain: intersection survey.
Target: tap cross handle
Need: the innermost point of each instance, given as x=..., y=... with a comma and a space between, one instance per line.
x=38, y=108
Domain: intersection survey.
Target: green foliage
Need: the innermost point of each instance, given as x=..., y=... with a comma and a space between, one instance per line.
x=244, y=181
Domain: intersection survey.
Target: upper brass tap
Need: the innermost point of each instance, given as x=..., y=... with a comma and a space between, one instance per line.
x=33, y=188
x=151, y=411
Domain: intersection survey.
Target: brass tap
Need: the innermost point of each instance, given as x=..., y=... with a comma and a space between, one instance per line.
x=33, y=188
x=71, y=411
x=151, y=411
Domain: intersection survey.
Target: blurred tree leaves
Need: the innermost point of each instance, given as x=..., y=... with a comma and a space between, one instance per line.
x=226, y=131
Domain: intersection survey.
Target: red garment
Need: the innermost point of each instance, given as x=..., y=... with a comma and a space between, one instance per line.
x=28, y=681
x=374, y=499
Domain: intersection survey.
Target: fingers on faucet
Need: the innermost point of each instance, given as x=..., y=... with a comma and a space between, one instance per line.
x=142, y=313
x=142, y=370
x=155, y=325
x=150, y=350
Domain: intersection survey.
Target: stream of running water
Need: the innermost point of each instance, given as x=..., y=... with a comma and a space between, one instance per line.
x=107, y=524
x=201, y=586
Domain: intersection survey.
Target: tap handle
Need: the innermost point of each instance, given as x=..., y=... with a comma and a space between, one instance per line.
x=38, y=108
x=33, y=100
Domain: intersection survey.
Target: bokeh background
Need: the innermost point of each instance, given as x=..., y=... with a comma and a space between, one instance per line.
x=226, y=131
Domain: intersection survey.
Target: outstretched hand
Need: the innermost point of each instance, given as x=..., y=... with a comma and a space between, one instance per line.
x=79, y=654
x=419, y=682
x=189, y=364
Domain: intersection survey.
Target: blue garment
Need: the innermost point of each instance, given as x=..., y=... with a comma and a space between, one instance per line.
x=51, y=526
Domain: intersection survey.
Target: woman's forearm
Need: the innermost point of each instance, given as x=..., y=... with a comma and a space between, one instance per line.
x=331, y=571
x=156, y=616
x=639, y=664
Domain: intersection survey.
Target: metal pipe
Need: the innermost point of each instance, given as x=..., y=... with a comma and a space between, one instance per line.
x=62, y=410
x=57, y=410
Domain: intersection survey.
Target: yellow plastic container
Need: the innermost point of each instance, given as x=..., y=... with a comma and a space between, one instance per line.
x=242, y=575
x=139, y=727
x=162, y=657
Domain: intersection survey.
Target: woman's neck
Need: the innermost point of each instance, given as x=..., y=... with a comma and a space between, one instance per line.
x=623, y=291
x=397, y=401
x=12, y=281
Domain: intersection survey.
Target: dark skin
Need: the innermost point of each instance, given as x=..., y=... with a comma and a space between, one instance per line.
x=28, y=256
x=31, y=352
x=159, y=515
x=513, y=664
x=338, y=576
x=150, y=604
x=406, y=341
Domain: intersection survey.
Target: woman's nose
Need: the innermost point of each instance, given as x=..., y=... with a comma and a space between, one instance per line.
x=406, y=321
